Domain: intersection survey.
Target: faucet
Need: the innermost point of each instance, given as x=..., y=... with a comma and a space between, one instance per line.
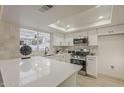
x=46, y=50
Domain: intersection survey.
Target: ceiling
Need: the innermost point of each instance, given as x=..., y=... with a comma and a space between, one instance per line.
x=61, y=18
x=96, y=16
x=30, y=16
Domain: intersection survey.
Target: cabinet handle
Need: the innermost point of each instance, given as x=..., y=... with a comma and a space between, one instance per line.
x=91, y=59
x=111, y=31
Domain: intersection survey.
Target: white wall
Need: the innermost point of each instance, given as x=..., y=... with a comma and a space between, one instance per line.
x=111, y=52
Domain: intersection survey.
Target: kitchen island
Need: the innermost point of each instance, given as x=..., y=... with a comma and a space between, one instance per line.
x=38, y=72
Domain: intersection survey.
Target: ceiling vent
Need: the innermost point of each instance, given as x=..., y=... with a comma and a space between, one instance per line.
x=45, y=8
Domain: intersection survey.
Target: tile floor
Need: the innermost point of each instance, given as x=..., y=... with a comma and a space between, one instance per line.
x=101, y=81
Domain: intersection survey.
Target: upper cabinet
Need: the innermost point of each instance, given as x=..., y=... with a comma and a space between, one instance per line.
x=80, y=34
x=92, y=38
x=58, y=39
x=62, y=40
x=91, y=35
x=111, y=30
x=118, y=29
x=69, y=39
x=105, y=31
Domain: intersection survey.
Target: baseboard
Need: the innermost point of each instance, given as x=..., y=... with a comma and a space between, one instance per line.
x=91, y=76
x=112, y=77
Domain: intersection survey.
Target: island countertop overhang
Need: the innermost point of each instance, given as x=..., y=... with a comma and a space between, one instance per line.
x=37, y=71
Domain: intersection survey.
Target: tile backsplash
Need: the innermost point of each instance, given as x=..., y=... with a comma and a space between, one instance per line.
x=93, y=49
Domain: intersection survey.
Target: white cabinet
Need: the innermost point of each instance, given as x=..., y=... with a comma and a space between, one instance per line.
x=57, y=57
x=84, y=34
x=65, y=57
x=92, y=38
x=58, y=39
x=76, y=35
x=92, y=65
x=105, y=31
x=80, y=34
x=111, y=30
x=66, y=43
x=118, y=29
x=69, y=39
x=60, y=58
x=62, y=40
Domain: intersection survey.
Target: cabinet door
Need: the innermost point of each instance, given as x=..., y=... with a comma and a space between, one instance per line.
x=58, y=39
x=55, y=40
x=92, y=66
x=65, y=43
x=111, y=30
x=118, y=29
x=60, y=58
x=80, y=34
x=76, y=35
x=92, y=38
x=84, y=34
x=69, y=39
x=105, y=31
x=67, y=58
x=56, y=43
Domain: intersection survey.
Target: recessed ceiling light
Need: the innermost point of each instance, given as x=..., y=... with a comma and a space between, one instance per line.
x=100, y=17
x=36, y=65
x=98, y=6
x=68, y=26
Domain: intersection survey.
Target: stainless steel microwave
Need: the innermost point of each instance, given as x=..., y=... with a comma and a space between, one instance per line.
x=80, y=41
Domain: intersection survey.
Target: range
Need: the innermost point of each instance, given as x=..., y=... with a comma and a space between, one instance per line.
x=79, y=58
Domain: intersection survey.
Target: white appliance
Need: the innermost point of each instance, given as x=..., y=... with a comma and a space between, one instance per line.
x=91, y=65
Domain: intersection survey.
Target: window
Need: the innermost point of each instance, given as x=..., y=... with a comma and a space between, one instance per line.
x=36, y=40
x=44, y=40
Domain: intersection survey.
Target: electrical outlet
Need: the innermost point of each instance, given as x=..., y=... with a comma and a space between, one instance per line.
x=112, y=66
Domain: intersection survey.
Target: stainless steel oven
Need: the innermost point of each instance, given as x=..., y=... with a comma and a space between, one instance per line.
x=81, y=62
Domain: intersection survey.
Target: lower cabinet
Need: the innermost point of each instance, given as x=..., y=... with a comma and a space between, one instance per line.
x=67, y=58
x=61, y=57
x=92, y=66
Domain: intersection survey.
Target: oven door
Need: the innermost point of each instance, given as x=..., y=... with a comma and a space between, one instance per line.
x=77, y=61
x=76, y=41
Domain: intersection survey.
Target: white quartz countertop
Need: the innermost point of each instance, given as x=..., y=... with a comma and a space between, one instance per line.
x=37, y=72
